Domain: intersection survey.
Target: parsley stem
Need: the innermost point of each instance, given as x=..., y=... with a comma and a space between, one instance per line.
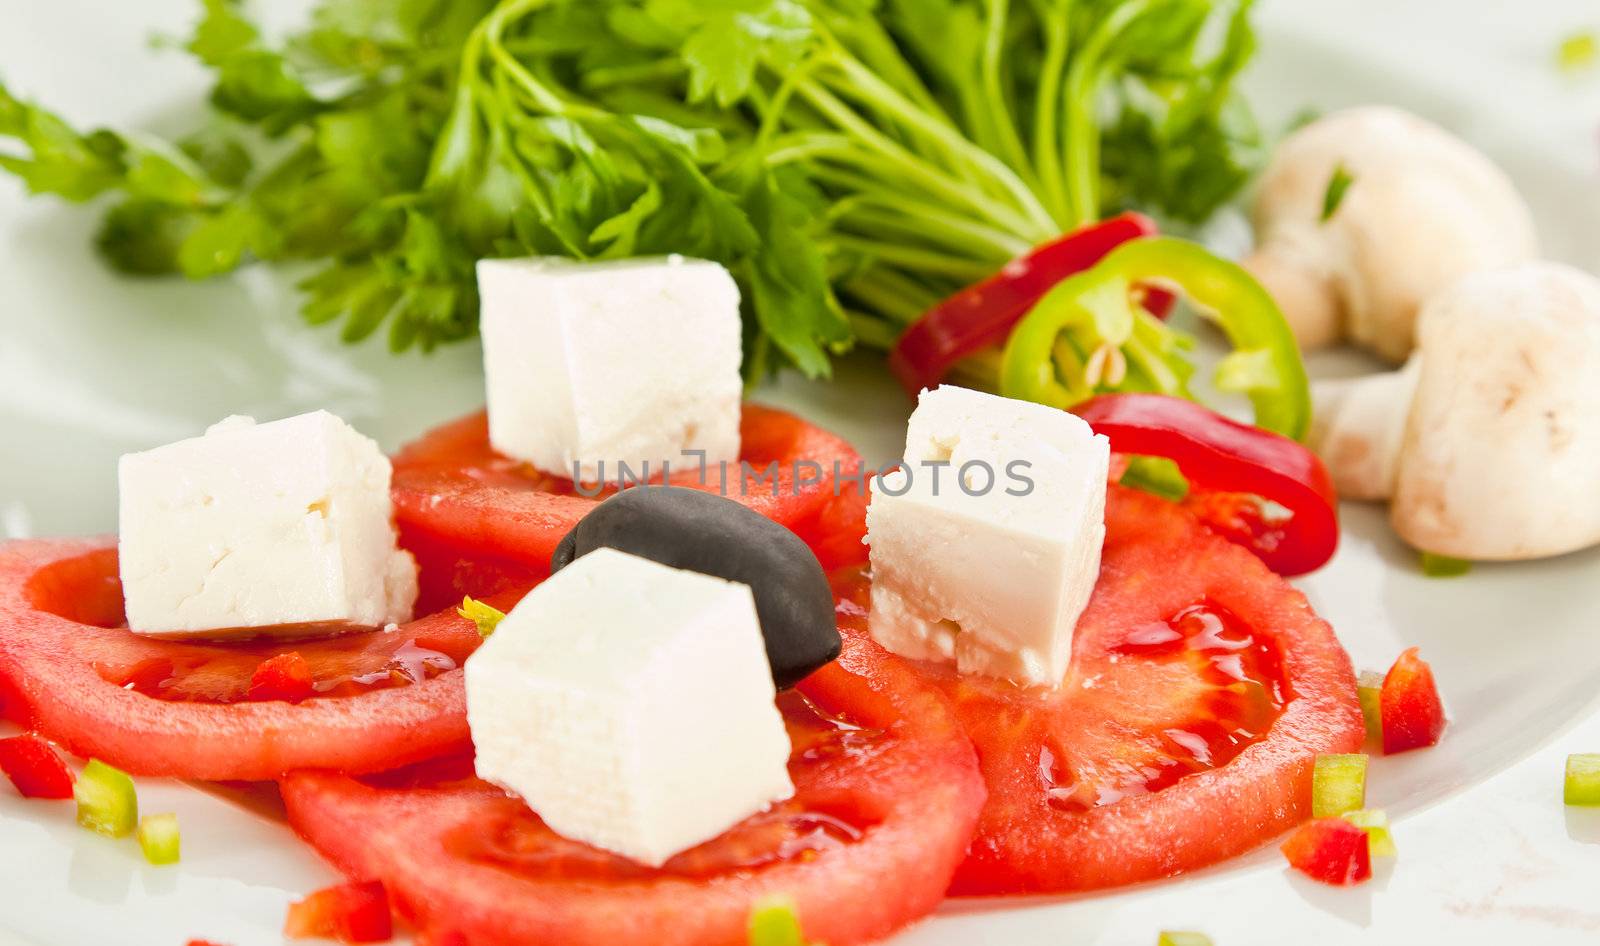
x=1083, y=87
x=878, y=298
x=956, y=231
x=961, y=268
x=994, y=89
x=606, y=77
x=899, y=159
x=1048, y=160
x=999, y=219
x=886, y=290
x=873, y=89
x=872, y=331
x=878, y=52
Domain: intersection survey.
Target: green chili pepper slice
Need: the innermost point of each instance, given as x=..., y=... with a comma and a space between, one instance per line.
x=1050, y=353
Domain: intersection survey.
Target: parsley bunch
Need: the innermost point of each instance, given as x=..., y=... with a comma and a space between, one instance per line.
x=851, y=161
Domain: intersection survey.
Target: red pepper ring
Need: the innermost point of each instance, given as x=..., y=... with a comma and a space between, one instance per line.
x=1217, y=453
x=984, y=313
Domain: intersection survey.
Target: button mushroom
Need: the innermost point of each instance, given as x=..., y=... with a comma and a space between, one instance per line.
x=1488, y=443
x=1413, y=210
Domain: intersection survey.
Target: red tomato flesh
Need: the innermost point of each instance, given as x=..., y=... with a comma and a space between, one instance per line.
x=1330, y=850
x=1409, y=704
x=286, y=677
x=1202, y=688
x=480, y=522
x=34, y=767
x=887, y=793
x=349, y=913
x=72, y=671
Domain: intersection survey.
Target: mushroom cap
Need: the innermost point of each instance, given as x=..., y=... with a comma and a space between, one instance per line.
x=1423, y=209
x=1501, y=457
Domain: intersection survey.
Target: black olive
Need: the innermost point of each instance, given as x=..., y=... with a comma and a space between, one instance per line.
x=710, y=534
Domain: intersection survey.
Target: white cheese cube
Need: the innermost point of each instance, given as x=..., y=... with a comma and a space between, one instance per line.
x=631, y=362
x=261, y=528
x=631, y=706
x=986, y=543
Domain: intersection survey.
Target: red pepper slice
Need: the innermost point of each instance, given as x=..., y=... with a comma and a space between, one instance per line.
x=984, y=313
x=1222, y=456
x=1409, y=704
x=350, y=913
x=1331, y=850
x=34, y=767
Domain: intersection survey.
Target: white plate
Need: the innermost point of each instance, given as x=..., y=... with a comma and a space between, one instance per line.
x=92, y=366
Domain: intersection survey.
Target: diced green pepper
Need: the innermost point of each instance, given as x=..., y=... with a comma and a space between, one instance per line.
x=1338, y=784
x=1443, y=566
x=107, y=802
x=1578, y=51
x=1583, y=779
x=1180, y=938
x=1369, y=690
x=487, y=618
x=774, y=923
x=1380, y=843
x=158, y=838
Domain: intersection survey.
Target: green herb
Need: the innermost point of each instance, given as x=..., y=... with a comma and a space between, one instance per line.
x=1338, y=183
x=107, y=802
x=774, y=923
x=851, y=161
x=159, y=839
x=1578, y=51
x=485, y=617
x=1443, y=566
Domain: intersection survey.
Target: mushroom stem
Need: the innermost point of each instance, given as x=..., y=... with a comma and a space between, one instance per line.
x=1358, y=426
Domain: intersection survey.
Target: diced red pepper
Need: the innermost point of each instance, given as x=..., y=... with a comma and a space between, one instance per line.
x=286, y=677
x=1228, y=465
x=983, y=314
x=349, y=913
x=1330, y=850
x=35, y=768
x=1413, y=714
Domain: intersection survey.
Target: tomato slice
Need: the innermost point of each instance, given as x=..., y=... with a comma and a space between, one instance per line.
x=479, y=522
x=69, y=669
x=349, y=913
x=1202, y=688
x=887, y=793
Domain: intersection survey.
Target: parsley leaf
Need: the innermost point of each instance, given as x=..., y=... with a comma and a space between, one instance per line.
x=880, y=152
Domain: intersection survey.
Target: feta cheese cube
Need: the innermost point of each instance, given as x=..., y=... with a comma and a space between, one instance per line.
x=631, y=706
x=252, y=528
x=986, y=543
x=630, y=362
